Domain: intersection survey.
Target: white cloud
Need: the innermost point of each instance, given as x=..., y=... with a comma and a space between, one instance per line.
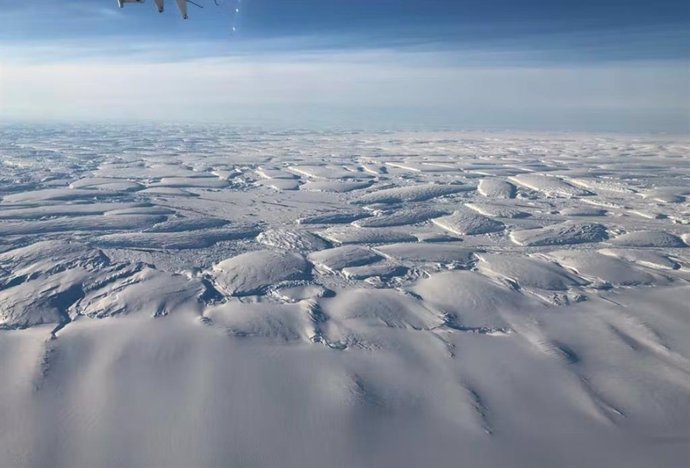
x=349, y=87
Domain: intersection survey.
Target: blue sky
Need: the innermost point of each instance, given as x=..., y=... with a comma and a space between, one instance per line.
x=607, y=65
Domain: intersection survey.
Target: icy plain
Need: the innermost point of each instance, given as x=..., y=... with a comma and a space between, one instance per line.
x=207, y=296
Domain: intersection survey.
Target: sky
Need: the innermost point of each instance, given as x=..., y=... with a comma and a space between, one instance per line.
x=604, y=65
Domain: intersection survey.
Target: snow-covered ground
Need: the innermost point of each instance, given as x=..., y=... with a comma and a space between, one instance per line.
x=181, y=296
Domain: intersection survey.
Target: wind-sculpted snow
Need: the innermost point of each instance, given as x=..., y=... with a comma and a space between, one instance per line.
x=411, y=193
x=174, y=240
x=345, y=256
x=205, y=296
x=602, y=269
x=648, y=258
x=467, y=222
x=254, y=272
x=57, y=194
x=379, y=270
x=83, y=223
x=343, y=217
x=469, y=301
x=528, y=272
x=131, y=294
x=586, y=211
x=561, y=234
x=549, y=185
x=401, y=217
x=649, y=239
x=282, y=323
x=45, y=280
x=167, y=192
x=191, y=182
x=71, y=210
x=496, y=188
x=289, y=239
x=335, y=186
x=448, y=253
x=498, y=211
x=327, y=172
x=668, y=194
x=356, y=235
x=114, y=185
x=188, y=224
x=362, y=308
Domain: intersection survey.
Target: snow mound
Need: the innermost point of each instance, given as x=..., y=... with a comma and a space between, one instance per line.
x=528, y=272
x=383, y=270
x=602, y=185
x=273, y=173
x=252, y=273
x=109, y=184
x=561, y=234
x=550, y=186
x=82, y=223
x=649, y=239
x=326, y=172
x=64, y=210
x=280, y=184
x=668, y=194
x=148, y=291
x=469, y=300
x=601, y=268
x=174, y=240
x=447, y=253
x=401, y=217
x=422, y=167
x=167, y=192
x=45, y=299
x=583, y=211
x=284, y=323
x=43, y=281
x=192, y=182
x=301, y=292
x=358, y=309
x=335, y=186
x=411, y=193
x=145, y=209
x=649, y=214
x=44, y=256
x=497, y=211
x=188, y=224
x=355, y=235
x=346, y=256
x=496, y=188
x=468, y=222
x=647, y=258
x=341, y=217
x=288, y=239
x=57, y=194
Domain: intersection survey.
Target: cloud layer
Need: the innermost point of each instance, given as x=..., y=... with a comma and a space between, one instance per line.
x=80, y=61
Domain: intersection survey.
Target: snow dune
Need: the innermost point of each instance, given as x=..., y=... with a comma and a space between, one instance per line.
x=253, y=272
x=177, y=296
x=411, y=193
x=549, y=185
x=468, y=222
x=561, y=234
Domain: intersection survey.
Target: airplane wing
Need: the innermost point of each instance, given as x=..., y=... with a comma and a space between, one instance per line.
x=182, y=5
x=121, y=3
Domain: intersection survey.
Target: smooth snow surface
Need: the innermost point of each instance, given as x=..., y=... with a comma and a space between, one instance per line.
x=203, y=297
